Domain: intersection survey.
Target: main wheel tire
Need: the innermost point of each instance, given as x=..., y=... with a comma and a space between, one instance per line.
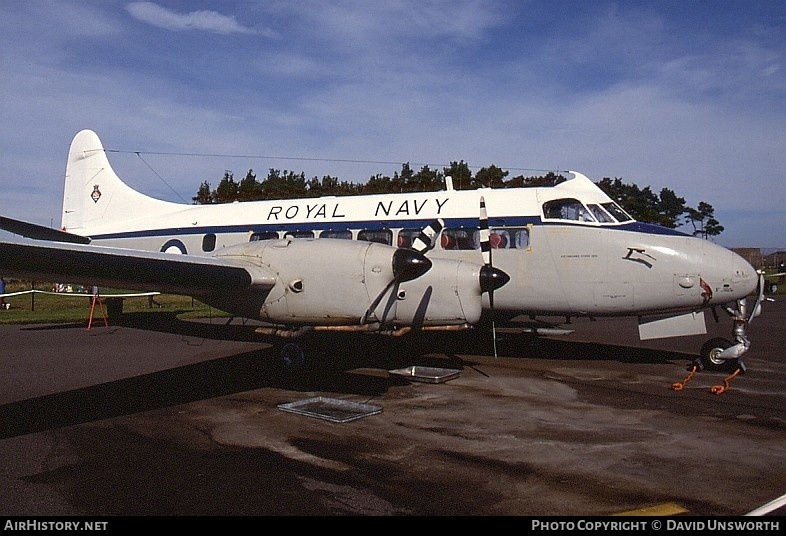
x=710, y=352
x=293, y=355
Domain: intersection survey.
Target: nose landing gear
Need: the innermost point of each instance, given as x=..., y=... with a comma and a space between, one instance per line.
x=722, y=354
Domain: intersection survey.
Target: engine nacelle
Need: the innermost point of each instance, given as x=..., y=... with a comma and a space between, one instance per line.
x=448, y=294
x=319, y=281
x=330, y=282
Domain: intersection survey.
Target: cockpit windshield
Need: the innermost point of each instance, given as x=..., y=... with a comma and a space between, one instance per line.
x=601, y=215
x=574, y=210
x=615, y=210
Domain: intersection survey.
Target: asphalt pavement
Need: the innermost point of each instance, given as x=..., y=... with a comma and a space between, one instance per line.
x=157, y=417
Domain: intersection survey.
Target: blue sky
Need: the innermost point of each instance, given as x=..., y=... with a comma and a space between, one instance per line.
x=685, y=95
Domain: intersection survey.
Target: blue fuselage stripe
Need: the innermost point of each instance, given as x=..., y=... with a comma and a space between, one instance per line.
x=514, y=221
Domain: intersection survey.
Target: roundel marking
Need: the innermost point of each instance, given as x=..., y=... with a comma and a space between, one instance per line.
x=174, y=246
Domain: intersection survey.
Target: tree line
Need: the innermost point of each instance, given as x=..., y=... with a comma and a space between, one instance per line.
x=664, y=208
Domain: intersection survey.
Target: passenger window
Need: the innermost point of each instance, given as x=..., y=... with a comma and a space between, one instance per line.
x=299, y=234
x=345, y=234
x=499, y=239
x=453, y=239
x=406, y=237
x=520, y=238
x=381, y=236
x=209, y=242
x=267, y=235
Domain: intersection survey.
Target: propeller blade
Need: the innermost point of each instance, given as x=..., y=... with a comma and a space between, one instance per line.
x=372, y=307
x=490, y=278
x=759, y=299
x=485, y=245
x=425, y=240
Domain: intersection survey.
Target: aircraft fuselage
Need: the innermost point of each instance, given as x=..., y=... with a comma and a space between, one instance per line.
x=559, y=264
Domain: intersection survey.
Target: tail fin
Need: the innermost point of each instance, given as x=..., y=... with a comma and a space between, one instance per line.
x=94, y=196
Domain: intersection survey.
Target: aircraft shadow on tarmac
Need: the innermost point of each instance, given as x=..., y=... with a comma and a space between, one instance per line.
x=363, y=350
x=327, y=371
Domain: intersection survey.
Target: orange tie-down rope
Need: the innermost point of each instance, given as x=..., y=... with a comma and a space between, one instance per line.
x=679, y=386
x=717, y=389
x=720, y=389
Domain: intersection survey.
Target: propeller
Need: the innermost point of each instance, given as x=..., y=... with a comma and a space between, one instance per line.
x=408, y=264
x=490, y=278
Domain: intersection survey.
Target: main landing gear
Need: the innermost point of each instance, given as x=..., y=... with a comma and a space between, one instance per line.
x=293, y=355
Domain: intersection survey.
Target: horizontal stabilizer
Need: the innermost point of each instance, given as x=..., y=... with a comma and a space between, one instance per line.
x=39, y=232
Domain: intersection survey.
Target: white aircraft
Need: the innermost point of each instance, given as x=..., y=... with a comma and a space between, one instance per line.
x=392, y=263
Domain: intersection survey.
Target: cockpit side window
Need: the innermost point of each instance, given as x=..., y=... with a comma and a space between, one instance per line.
x=566, y=209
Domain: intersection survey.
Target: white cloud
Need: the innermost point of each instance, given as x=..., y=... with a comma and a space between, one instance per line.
x=209, y=21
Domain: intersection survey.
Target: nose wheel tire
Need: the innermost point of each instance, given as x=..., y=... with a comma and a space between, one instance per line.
x=710, y=352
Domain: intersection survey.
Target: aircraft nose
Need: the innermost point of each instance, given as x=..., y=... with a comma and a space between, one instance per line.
x=744, y=274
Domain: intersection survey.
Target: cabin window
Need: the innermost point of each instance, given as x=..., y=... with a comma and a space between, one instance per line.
x=344, y=234
x=406, y=237
x=299, y=234
x=381, y=236
x=209, y=242
x=461, y=238
x=615, y=210
x=509, y=238
x=266, y=235
x=520, y=238
x=499, y=239
x=566, y=209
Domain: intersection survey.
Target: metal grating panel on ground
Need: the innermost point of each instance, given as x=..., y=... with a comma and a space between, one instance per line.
x=427, y=374
x=331, y=409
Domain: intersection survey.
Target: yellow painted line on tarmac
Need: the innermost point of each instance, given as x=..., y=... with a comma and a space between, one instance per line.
x=666, y=509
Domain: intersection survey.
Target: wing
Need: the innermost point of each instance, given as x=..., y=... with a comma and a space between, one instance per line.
x=290, y=282
x=121, y=268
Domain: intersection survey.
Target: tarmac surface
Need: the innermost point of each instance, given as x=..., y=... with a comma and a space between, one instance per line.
x=154, y=416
